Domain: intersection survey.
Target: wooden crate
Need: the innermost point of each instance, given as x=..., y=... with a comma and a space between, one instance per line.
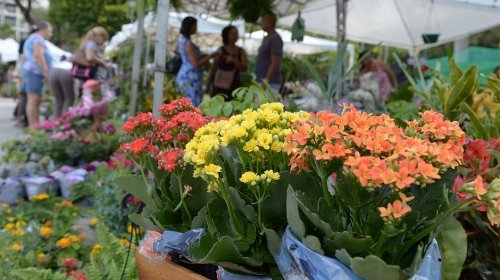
x=167, y=270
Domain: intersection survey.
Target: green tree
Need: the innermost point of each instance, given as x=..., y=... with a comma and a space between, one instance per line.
x=6, y=31
x=72, y=19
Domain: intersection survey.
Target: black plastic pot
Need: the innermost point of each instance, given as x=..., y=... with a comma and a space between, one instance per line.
x=430, y=38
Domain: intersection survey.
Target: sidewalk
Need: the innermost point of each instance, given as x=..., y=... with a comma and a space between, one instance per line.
x=7, y=129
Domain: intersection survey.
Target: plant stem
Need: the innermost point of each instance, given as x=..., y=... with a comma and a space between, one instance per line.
x=184, y=205
x=416, y=238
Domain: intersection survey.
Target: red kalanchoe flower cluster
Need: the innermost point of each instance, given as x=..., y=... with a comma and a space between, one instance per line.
x=164, y=138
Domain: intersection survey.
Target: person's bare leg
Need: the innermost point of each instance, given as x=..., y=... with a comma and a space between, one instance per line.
x=32, y=109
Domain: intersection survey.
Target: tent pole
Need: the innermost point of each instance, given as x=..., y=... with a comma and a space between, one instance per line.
x=160, y=52
x=146, y=60
x=136, y=66
x=341, y=36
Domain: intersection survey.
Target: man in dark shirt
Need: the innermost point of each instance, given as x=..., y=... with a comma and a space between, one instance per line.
x=268, y=64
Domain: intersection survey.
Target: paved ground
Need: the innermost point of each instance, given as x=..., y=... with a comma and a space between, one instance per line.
x=7, y=129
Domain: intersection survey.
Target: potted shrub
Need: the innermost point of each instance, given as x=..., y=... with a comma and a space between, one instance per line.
x=250, y=11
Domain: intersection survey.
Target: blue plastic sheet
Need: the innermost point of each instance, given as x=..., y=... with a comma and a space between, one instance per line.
x=177, y=242
x=296, y=261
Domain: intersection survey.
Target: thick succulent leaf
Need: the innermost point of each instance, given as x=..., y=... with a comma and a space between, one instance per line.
x=136, y=185
x=292, y=214
x=346, y=240
x=144, y=222
x=374, y=268
x=313, y=243
x=452, y=240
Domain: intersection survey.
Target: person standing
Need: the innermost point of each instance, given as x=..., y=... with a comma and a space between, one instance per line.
x=225, y=75
x=35, y=69
x=190, y=75
x=269, y=57
x=92, y=44
x=387, y=81
x=62, y=86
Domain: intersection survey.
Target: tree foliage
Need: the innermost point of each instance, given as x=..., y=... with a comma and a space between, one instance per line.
x=72, y=19
x=6, y=31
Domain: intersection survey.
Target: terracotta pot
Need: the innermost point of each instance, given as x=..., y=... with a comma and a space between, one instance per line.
x=166, y=270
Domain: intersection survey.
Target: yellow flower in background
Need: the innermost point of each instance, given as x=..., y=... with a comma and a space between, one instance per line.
x=5, y=206
x=16, y=246
x=264, y=139
x=212, y=186
x=40, y=257
x=17, y=232
x=275, y=106
x=9, y=226
x=8, y=212
x=237, y=132
x=96, y=250
x=212, y=170
x=277, y=146
x=275, y=176
x=93, y=222
x=248, y=177
x=63, y=243
x=38, y=197
x=124, y=242
x=82, y=236
x=19, y=201
x=19, y=224
x=197, y=172
x=270, y=116
x=130, y=228
x=250, y=145
x=248, y=124
x=74, y=238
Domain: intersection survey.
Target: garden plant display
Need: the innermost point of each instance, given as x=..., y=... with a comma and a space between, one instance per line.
x=392, y=192
x=172, y=196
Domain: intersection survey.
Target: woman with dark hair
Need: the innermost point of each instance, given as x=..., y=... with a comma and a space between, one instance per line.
x=225, y=75
x=35, y=69
x=190, y=75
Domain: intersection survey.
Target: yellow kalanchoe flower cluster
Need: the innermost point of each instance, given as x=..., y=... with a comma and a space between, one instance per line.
x=258, y=136
x=251, y=178
x=38, y=197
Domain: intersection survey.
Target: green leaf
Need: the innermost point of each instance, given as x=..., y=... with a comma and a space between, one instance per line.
x=213, y=106
x=199, y=221
x=135, y=185
x=39, y=274
x=224, y=250
x=144, y=222
x=313, y=216
x=227, y=109
x=452, y=240
x=313, y=243
x=464, y=88
x=374, y=268
x=455, y=72
x=346, y=240
x=240, y=205
x=475, y=121
x=292, y=214
x=273, y=242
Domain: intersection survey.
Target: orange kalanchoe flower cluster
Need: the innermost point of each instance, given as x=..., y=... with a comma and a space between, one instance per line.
x=377, y=151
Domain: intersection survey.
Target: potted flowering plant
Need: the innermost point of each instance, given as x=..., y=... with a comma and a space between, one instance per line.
x=390, y=194
x=243, y=161
x=172, y=196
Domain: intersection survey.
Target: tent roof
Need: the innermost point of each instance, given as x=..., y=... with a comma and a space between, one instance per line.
x=8, y=50
x=401, y=23
x=486, y=60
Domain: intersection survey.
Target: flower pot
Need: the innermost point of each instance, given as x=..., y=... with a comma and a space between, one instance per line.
x=430, y=38
x=37, y=184
x=166, y=270
x=67, y=182
x=10, y=191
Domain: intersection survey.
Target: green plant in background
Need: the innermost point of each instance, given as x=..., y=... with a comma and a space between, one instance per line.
x=249, y=10
x=106, y=262
x=244, y=98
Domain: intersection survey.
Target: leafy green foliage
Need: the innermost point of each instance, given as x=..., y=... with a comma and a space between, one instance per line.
x=453, y=254
x=40, y=274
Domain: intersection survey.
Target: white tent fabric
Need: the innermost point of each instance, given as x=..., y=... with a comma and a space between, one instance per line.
x=8, y=50
x=401, y=23
x=218, y=8
x=206, y=25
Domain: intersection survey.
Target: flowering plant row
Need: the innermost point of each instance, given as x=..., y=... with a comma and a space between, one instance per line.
x=353, y=186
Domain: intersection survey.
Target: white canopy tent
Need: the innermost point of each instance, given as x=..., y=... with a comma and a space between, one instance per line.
x=401, y=23
x=8, y=50
x=206, y=25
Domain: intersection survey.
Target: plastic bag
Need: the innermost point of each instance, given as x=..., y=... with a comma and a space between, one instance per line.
x=177, y=242
x=296, y=261
x=146, y=248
